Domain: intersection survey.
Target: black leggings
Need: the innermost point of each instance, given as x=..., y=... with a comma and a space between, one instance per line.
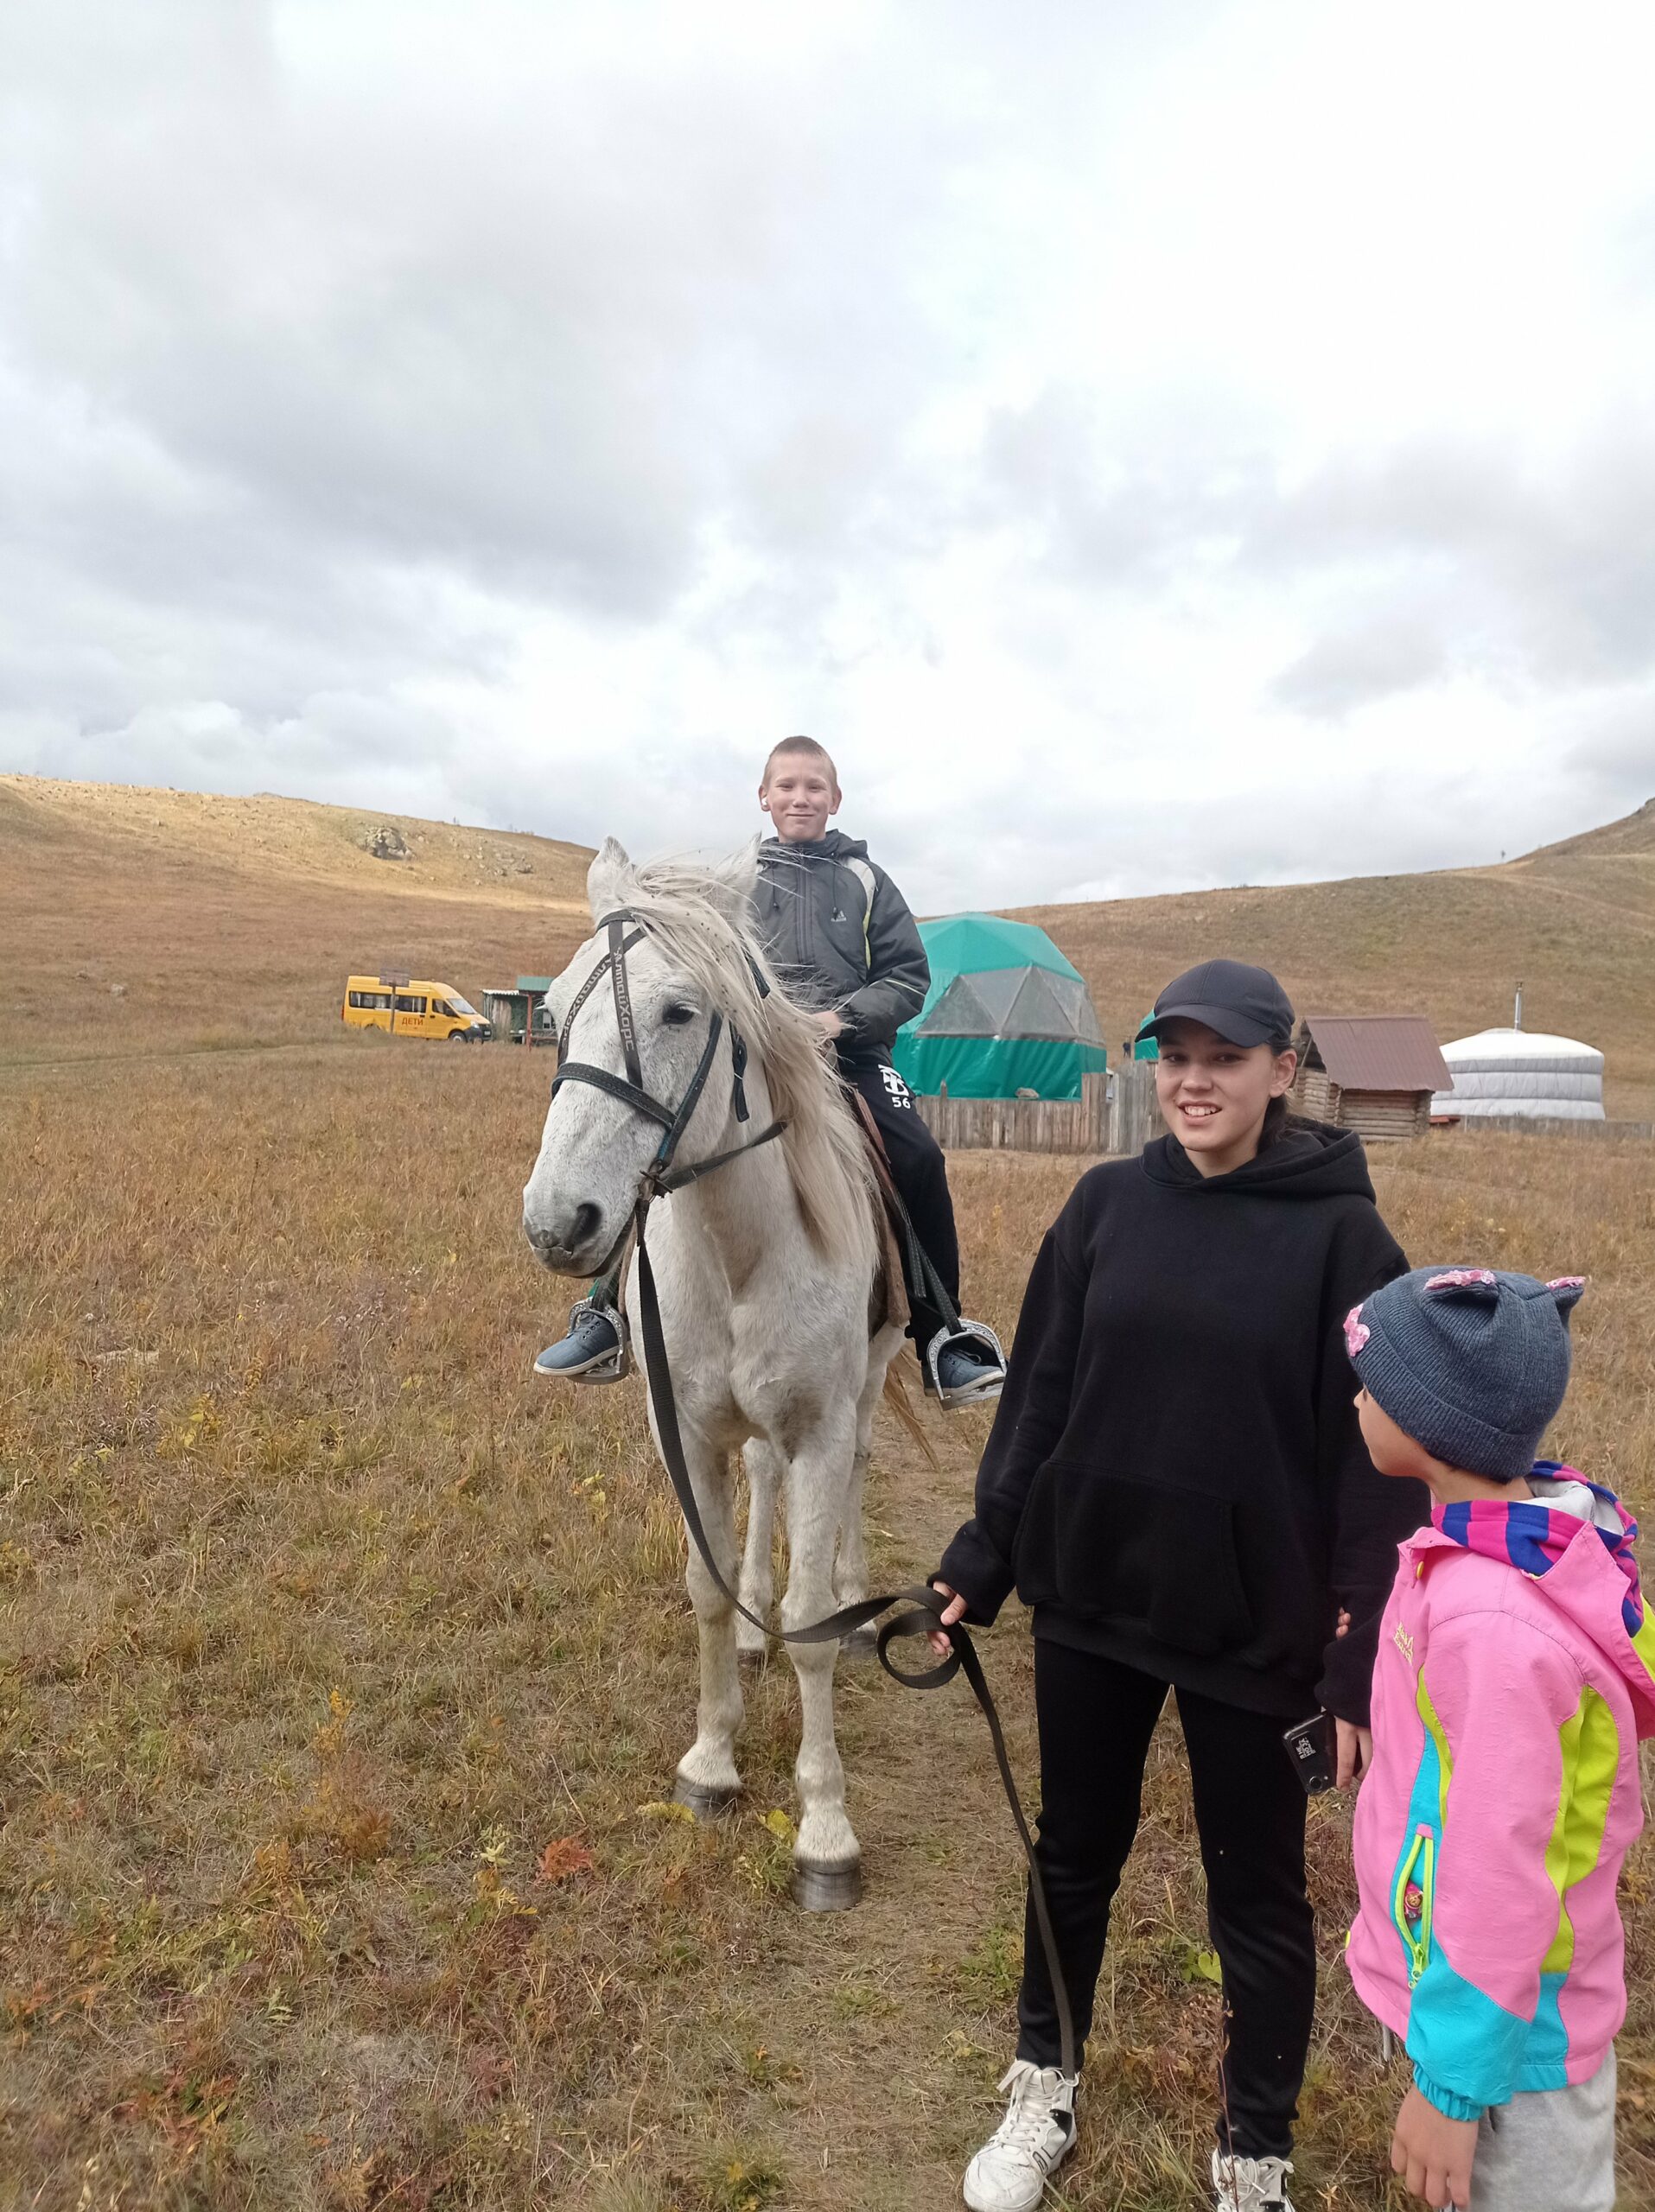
x=921, y=1175
x=1096, y=1720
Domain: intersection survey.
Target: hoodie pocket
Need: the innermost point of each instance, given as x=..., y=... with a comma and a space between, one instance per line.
x=1144, y=1555
x=1413, y=1897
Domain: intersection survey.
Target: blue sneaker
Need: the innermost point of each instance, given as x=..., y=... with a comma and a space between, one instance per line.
x=968, y=1367
x=593, y=1349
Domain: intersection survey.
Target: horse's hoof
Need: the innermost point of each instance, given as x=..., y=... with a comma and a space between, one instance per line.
x=705, y=1805
x=827, y=1889
x=862, y=1643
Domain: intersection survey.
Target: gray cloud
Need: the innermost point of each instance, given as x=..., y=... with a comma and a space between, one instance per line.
x=1375, y=662
x=1547, y=574
x=531, y=415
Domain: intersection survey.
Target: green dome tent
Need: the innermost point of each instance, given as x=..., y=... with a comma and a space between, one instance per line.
x=1005, y=1013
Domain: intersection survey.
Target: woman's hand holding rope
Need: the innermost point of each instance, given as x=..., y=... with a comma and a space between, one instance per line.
x=940, y=1642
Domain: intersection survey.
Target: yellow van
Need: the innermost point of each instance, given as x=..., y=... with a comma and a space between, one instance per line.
x=411, y=1008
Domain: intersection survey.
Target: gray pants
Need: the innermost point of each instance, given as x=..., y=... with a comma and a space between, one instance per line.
x=1551, y=2151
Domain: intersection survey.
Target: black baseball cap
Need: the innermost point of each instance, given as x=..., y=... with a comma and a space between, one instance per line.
x=1243, y=1005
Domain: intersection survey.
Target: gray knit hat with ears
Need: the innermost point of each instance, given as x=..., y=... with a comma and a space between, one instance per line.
x=1471, y=1363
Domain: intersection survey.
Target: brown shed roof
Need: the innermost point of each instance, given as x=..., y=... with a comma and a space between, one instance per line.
x=1379, y=1051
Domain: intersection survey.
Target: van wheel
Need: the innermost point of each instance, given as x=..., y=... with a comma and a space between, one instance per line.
x=458, y=1037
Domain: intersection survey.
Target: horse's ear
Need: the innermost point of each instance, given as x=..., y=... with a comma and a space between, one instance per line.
x=738, y=876
x=603, y=890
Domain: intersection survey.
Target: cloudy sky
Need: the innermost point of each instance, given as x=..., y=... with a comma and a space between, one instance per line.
x=1153, y=443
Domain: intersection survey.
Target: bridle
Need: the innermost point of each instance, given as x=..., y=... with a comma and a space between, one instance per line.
x=660, y=1176
x=659, y=1180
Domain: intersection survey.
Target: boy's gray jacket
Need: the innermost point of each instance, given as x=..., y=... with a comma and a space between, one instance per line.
x=839, y=934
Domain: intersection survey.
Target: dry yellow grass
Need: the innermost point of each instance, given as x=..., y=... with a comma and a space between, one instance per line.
x=341, y=1666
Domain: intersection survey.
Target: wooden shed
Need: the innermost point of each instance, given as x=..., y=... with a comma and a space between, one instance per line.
x=1375, y=1073
x=515, y=1015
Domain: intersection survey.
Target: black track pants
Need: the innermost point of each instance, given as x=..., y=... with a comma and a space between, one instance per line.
x=922, y=1180
x=1096, y=1719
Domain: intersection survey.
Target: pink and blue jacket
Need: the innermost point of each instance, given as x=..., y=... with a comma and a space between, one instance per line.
x=1516, y=1673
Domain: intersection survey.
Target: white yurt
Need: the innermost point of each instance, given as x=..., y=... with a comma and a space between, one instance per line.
x=1518, y=1071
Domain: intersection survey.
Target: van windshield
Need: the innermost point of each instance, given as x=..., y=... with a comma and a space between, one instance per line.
x=463, y=1006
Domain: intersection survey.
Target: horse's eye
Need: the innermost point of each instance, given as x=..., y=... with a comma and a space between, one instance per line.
x=677, y=1016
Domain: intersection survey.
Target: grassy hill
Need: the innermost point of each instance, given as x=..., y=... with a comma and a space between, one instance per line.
x=235, y=920
x=158, y=920
x=1575, y=922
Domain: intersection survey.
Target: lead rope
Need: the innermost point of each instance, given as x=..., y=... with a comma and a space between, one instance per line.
x=924, y=1605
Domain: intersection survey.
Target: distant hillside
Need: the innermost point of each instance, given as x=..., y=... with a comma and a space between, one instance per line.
x=1575, y=922
x=267, y=835
x=136, y=920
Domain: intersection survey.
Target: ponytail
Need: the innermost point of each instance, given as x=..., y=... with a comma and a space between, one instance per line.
x=1279, y=1118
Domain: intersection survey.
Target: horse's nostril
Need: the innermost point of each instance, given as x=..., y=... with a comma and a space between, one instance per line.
x=570, y=1234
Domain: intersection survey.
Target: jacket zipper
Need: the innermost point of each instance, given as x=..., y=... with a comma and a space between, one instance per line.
x=1418, y=1869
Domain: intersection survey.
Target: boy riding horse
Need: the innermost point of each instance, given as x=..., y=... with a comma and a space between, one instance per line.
x=840, y=936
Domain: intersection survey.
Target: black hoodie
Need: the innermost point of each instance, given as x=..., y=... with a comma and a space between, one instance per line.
x=1175, y=1477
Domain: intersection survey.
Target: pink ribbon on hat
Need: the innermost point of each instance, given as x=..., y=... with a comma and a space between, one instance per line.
x=1463, y=1279
x=1357, y=1332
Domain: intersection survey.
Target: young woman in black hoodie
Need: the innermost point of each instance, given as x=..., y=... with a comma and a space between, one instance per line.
x=1177, y=1484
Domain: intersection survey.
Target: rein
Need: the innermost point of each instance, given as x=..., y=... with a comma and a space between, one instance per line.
x=923, y=1604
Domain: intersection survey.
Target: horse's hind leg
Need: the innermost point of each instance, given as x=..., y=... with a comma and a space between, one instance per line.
x=706, y=1777
x=757, y=1584
x=827, y=1858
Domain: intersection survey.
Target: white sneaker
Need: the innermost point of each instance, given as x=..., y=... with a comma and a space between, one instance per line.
x=1250, y=2185
x=1009, y=2173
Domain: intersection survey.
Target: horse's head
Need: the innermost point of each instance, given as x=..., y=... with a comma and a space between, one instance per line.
x=691, y=962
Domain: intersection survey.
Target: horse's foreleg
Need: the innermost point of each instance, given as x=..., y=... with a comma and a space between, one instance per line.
x=827, y=1857
x=851, y=1569
x=706, y=1777
x=757, y=1584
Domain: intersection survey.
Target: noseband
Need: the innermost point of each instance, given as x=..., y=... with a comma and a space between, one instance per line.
x=660, y=1176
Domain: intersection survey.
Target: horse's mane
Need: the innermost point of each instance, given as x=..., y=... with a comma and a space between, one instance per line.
x=702, y=921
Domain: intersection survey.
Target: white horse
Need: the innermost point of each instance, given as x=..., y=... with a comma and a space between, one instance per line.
x=778, y=1325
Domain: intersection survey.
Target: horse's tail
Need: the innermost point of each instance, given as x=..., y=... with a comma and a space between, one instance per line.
x=897, y=1398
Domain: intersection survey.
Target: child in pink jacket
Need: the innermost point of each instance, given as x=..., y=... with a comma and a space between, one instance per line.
x=1516, y=1673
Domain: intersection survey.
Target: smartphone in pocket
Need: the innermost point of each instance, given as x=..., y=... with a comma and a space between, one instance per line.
x=1313, y=1749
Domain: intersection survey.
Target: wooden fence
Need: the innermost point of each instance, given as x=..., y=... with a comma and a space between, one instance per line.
x=1115, y=1114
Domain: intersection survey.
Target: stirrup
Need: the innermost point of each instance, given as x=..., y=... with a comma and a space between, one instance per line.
x=969, y=1335
x=618, y=1366
x=615, y=1366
